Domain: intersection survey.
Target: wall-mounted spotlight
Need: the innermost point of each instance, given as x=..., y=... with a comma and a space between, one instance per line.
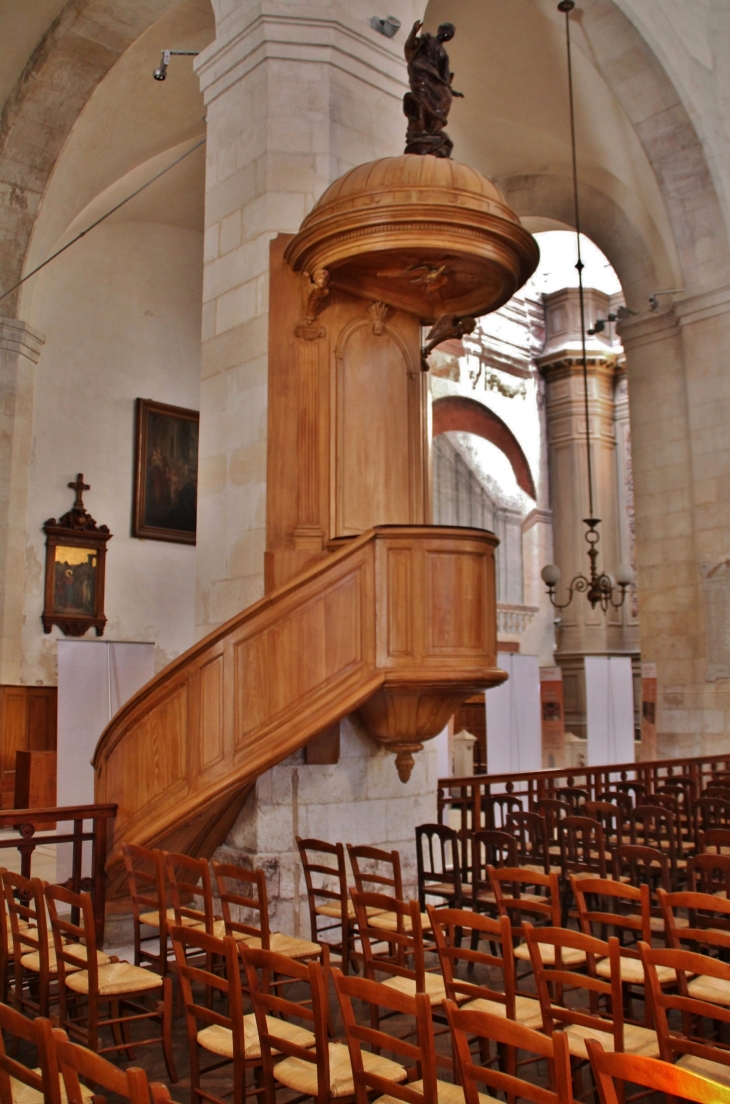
x=388, y=26
x=160, y=73
x=620, y=316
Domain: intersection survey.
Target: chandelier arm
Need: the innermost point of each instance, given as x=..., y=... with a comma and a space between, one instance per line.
x=578, y=585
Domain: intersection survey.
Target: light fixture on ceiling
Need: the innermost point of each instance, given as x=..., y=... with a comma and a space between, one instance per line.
x=599, y=587
x=160, y=73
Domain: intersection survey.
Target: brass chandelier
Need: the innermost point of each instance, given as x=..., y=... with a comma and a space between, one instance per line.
x=599, y=587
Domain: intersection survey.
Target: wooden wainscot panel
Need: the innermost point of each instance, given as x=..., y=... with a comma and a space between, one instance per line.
x=378, y=466
x=315, y=644
x=400, y=601
x=211, y=712
x=457, y=602
x=151, y=763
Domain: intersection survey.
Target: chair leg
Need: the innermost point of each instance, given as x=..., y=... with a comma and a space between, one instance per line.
x=167, y=1028
x=120, y=1031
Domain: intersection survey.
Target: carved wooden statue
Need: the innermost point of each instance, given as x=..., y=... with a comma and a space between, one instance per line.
x=427, y=104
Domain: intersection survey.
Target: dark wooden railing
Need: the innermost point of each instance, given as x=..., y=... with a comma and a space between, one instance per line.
x=27, y=822
x=468, y=796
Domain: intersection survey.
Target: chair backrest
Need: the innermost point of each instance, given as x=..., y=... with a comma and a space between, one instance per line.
x=438, y=859
x=554, y=811
x=513, y=889
x=270, y=1003
x=189, y=945
x=530, y=832
x=69, y=938
x=709, y=918
x=674, y=1044
x=491, y=847
x=146, y=876
x=637, y=790
x=325, y=874
x=574, y=796
x=405, y=941
x=714, y=839
x=710, y=812
x=614, y=907
x=634, y=1069
x=582, y=846
x=466, y=1024
x=244, y=890
x=26, y=910
x=420, y=1056
x=611, y=818
x=76, y=1061
x=547, y=975
x=620, y=798
x=192, y=892
x=648, y=865
x=43, y=1079
x=657, y=826
x=497, y=808
x=717, y=791
x=376, y=869
x=708, y=873
x=457, y=933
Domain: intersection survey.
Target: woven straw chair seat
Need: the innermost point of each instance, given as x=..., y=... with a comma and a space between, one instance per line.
x=446, y=1094
x=715, y=1071
x=32, y=961
x=632, y=971
x=637, y=1040
x=540, y=869
x=282, y=944
x=527, y=1010
x=435, y=988
x=152, y=919
x=571, y=955
x=712, y=989
x=25, y=1094
x=33, y=932
x=116, y=979
x=301, y=1076
x=219, y=1040
x=657, y=922
x=446, y=889
x=335, y=911
x=388, y=921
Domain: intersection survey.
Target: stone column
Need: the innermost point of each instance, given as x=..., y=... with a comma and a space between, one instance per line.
x=582, y=630
x=20, y=348
x=680, y=396
x=295, y=96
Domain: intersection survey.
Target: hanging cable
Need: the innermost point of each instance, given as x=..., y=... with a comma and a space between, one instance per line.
x=567, y=6
x=103, y=217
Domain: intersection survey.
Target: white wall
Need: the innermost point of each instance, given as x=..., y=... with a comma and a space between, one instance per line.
x=121, y=315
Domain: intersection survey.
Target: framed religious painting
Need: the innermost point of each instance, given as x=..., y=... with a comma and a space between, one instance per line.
x=166, y=473
x=75, y=569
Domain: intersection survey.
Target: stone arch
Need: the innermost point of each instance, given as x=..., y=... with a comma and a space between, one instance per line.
x=457, y=413
x=76, y=53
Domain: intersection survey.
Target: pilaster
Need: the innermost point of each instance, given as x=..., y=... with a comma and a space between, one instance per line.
x=20, y=348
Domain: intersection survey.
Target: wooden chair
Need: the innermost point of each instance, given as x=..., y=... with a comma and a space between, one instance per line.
x=322, y=1071
x=405, y=943
x=148, y=891
x=376, y=881
x=709, y=812
x=553, y=811
x=328, y=896
x=635, y=790
x=439, y=864
x=192, y=894
x=415, y=1083
x=17, y=1081
x=497, y=807
x=582, y=852
x=611, y=818
x=688, y=1047
x=656, y=826
x=530, y=833
x=467, y=1024
x=574, y=796
x=512, y=887
x=449, y=927
x=490, y=847
x=586, y=1020
x=707, y=873
x=708, y=925
x=620, y=798
x=223, y=1030
x=634, y=865
x=84, y=986
x=654, y=1075
x=245, y=890
x=31, y=943
x=75, y=1061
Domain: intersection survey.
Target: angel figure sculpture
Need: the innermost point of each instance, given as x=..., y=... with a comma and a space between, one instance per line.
x=427, y=104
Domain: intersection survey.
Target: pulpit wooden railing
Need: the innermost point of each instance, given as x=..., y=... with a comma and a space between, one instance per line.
x=398, y=624
x=462, y=802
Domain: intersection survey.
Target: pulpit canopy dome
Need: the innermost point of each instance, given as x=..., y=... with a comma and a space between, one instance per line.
x=424, y=234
